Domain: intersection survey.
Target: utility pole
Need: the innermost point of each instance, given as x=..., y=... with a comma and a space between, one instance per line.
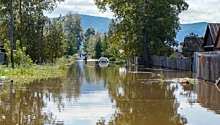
x=11, y=33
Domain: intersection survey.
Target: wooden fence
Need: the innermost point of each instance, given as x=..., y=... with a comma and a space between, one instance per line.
x=208, y=66
x=179, y=63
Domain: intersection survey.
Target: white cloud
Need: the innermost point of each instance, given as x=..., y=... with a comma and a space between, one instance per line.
x=198, y=11
x=201, y=11
x=87, y=7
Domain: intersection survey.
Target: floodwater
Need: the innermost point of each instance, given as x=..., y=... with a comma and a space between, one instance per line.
x=93, y=95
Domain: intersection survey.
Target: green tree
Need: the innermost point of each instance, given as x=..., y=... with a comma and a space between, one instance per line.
x=54, y=43
x=94, y=46
x=73, y=26
x=192, y=43
x=91, y=47
x=98, y=47
x=142, y=23
x=28, y=21
x=89, y=32
x=71, y=41
x=105, y=46
x=20, y=57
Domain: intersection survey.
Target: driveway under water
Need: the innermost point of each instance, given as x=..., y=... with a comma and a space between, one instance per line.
x=93, y=95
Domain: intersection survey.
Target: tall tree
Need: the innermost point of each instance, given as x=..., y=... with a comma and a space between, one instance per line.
x=28, y=21
x=143, y=23
x=98, y=47
x=105, y=46
x=54, y=43
x=73, y=26
x=94, y=46
x=89, y=32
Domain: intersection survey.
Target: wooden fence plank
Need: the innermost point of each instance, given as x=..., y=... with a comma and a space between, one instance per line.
x=207, y=66
x=178, y=63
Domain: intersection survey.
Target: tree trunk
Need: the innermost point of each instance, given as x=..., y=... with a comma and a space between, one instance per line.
x=145, y=51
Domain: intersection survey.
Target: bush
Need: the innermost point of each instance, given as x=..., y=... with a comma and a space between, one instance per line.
x=172, y=57
x=19, y=55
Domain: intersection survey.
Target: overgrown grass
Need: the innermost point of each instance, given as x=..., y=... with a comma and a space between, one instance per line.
x=28, y=74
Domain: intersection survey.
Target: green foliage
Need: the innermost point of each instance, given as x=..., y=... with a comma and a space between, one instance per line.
x=160, y=49
x=120, y=62
x=97, y=45
x=19, y=55
x=157, y=20
x=71, y=43
x=98, y=48
x=56, y=49
x=105, y=46
x=94, y=46
x=73, y=26
x=22, y=75
x=192, y=43
x=161, y=75
x=172, y=57
x=28, y=22
x=89, y=32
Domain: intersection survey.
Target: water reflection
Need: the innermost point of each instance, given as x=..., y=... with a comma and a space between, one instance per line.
x=91, y=95
x=142, y=104
x=28, y=104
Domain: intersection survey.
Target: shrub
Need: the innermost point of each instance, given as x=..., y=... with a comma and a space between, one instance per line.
x=19, y=55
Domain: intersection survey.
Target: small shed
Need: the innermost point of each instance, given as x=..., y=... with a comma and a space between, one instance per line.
x=210, y=36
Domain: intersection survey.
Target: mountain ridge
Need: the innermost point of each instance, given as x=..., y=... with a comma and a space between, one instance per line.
x=100, y=24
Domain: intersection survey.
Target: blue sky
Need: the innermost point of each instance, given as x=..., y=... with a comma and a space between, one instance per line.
x=198, y=11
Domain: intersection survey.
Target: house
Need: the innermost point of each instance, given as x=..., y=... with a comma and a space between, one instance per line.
x=210, y=36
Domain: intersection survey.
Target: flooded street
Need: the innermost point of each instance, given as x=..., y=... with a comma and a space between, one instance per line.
x=93, y=95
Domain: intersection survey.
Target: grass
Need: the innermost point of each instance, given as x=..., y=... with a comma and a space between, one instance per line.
x=22, y=75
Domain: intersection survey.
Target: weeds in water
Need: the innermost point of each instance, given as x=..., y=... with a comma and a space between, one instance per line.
x=161, y=75
x=34, y=72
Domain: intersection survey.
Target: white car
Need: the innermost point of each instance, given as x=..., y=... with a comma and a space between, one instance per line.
x=103, y=62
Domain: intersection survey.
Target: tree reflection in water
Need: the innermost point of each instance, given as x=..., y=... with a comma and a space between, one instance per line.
x=142, y=104
x=28, y=103
x=135, y=102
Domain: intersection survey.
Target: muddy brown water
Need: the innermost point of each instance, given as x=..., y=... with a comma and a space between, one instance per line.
x=93, y=95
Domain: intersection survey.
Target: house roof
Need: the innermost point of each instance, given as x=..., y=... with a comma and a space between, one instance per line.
x=212, y=29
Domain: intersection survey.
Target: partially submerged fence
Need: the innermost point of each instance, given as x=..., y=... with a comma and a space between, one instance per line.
x=178, y=63
x=207, y=66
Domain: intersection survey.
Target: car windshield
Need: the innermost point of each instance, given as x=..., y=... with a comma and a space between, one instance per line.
x=103, y=60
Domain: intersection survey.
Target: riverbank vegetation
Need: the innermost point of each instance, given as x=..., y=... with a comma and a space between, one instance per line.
x=26, y=71
x=23, y=75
